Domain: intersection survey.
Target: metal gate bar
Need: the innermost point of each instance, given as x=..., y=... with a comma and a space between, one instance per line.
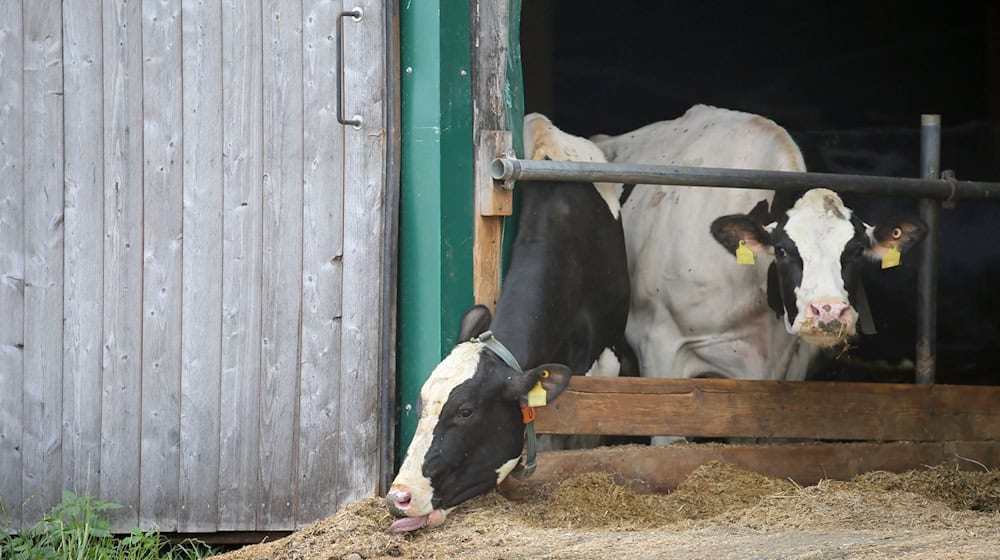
x=930, y=189
x=510, y=170
x=927, y=280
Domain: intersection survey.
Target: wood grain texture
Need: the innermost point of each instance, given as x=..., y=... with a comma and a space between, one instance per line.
x=282, y=264
x=814, y=410
x=122, y=352
x=12, y=194
x=201, y=322
x=162, y=267
x=489, y=50
x=364, y=260
x=242, y=85
x=43, y=258
x=661, y=469
x=83, y=75
x=322, y=268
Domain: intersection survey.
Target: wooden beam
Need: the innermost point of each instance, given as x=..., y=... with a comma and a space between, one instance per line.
x=773, y=409
x=489, y=52
x=661, y=469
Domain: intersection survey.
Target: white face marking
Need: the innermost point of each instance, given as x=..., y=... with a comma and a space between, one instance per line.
x=820, y=225
x=458, y=367
x=606, y=365
x=505, y=469
x=542, y=139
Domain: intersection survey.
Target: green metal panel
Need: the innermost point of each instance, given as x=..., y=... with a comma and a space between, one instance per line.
x=436, y=212
x=435, y=261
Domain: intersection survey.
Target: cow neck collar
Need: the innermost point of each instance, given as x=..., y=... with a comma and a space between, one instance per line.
x=528, y=463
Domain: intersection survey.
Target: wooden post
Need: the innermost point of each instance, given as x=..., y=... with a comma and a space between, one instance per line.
x=493, y=202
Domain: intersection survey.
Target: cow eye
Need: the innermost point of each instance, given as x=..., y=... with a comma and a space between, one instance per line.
x=465, y=412
x=780, y=251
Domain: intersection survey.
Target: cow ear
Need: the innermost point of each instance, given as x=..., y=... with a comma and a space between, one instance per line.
x=730, y=230
x=475, y=322
x=901, y=232
x=553, y=378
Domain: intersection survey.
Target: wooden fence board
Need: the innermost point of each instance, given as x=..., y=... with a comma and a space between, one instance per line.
x=774, y=409
x=162, y=267
x=84, y=292
x=364, y=259
x=122, y=365
x=201, y=323
x=282, y=265
x=12, y=194
x=322, y=254
x=43, y=262
x=660, y=469
x=242, y=242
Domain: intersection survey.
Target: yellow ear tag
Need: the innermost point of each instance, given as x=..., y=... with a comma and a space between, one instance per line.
x=891, y=257
x=743, y=253
x=537, y=395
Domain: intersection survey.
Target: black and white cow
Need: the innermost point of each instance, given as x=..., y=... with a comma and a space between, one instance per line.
x=695, y=311
x=564, y=302
x=968, y=259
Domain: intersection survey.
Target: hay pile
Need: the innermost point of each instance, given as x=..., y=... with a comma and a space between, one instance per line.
x=716, y=502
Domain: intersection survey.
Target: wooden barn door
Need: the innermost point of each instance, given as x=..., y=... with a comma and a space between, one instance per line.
x=196, y=259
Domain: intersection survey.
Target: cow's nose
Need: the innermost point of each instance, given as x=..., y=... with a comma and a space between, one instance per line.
x=825, y=310
x=398, y=499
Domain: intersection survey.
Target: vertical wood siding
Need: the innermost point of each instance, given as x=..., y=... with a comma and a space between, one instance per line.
x=191, y=260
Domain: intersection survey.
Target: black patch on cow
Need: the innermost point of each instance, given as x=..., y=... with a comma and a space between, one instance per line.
x=787, y=274
x=479, y=429
x=626, y=192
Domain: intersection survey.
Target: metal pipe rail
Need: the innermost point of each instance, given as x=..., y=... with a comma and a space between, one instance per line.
x=509, y=170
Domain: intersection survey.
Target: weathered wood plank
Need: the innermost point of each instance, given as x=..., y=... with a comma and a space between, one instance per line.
x=12, y=194
x=282, y=280
x=661, y=469
x=83, y=75
x=122, y=361
x=814, y=410
x=322, y=268
x=242, y=238
x=364, y=259
x=43, y=262
x=493, y=204
x=489, y=29
x=162, y=268
x=201, y=323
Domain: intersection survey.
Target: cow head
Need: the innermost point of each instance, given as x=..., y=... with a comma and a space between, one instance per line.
x=470, y=431
x=819, y=248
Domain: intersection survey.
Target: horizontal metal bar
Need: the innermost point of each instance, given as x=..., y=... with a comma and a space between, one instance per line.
x=509, y=169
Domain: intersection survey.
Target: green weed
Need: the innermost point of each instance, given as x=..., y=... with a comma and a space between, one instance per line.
x=78, y=529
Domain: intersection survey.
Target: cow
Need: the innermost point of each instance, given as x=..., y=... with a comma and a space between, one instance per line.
x=696, y=312
x=968, y=309
x=564, y=303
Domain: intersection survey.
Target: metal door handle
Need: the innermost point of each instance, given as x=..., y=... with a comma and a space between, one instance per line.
x=355, y=14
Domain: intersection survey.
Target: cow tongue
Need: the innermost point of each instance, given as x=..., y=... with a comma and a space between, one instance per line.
x=431, y=520
x=409, y=524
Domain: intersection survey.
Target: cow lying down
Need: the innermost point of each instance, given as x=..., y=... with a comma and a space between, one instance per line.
x=695, y=311
x=564, y=304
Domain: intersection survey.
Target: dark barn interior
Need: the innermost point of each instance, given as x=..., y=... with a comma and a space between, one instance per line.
x=849, y=80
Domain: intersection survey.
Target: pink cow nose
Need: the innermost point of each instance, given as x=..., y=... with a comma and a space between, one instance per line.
x=826, y=310
x=399, y=500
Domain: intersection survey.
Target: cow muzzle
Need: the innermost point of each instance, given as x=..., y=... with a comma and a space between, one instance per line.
x=400, y=502
x=828, y=322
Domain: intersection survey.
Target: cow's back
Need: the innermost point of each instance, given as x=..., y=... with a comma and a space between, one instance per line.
x=694, y=310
